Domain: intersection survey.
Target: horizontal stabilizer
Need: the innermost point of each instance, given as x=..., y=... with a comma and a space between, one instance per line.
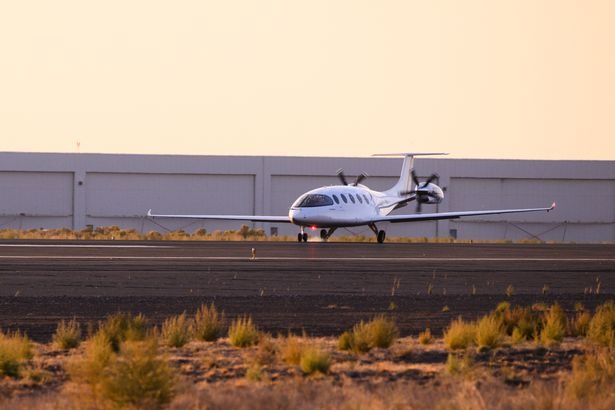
x=410, y=154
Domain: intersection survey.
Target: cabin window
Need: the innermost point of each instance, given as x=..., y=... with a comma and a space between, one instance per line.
x=351, y=198
x=314, y=200
x=337, y=201
x=344, y=198
x=366, y=199
x=359, y=198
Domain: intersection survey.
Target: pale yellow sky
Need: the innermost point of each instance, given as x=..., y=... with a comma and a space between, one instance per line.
x=477, y=78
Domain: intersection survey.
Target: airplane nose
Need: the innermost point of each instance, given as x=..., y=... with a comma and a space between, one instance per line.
x=294, y=214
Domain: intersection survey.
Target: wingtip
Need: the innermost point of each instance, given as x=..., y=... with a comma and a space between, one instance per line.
x=149, y=212
x=553, y=205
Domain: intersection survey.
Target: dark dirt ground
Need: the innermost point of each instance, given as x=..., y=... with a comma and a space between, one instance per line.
x=323, y=288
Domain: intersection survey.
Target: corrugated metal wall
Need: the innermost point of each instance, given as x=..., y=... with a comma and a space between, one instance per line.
x=74, y=190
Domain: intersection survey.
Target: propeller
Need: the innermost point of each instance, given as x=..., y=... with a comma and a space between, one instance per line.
x=357, y=181
x=359, y=178
x=419, y=188
x=341, y=176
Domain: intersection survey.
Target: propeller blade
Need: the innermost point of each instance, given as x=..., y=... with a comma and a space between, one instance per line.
x=414, y=178
x=432, y=177
x=360, y=178
x=340, y=175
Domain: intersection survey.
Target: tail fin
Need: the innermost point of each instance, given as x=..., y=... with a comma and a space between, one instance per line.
x=405, y=182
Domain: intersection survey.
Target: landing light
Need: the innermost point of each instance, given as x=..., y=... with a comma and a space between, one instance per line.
x=313, y=227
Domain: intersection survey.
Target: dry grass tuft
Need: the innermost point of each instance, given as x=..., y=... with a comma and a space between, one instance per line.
x=254, y=372
x=592, y=377
x=554, y=328
x=68, y=334
x=15, y=349
x=579, y=325
x=314, y=360
x=489, y=332
x=266, y=352
x=243, y=332
x=382, y=332
x=425, y=337
x=137, y=378
x=208, y=323
x=526, y=322
x=291, y=349
x=378, y=332
x=458, y=365
x=460, y=335
x=601, y=328
x=88, y=369
x=176, y=331
x=120, y=327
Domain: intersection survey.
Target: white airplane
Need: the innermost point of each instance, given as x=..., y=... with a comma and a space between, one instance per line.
x=353, y=204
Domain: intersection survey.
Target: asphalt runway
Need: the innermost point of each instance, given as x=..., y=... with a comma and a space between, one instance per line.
x=323, y=288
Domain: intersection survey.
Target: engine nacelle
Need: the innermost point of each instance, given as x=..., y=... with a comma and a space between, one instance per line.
x=429, y=194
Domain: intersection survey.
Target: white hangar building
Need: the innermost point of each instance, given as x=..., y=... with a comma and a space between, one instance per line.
x=42, y=190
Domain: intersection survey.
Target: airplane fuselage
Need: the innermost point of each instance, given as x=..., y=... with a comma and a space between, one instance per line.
x=336, y=206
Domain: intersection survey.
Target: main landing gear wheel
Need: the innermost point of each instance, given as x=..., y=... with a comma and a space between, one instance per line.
x=381, y=236
x=304, y=237
x=299, y=237
x=323, y=234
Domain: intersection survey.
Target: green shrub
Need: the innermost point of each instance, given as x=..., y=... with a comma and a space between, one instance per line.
x=553, y=330
x=67, y=335
x=460, y=335
x=488, y=332
x=208, y=323
x=601, y=328
x=175, y=331
x=243, y=332
x=15, y=349
x=137, y=378
x=314, y=360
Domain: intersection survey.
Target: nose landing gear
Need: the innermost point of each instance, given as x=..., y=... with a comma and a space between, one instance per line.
x=302, y=236
x=380, y=235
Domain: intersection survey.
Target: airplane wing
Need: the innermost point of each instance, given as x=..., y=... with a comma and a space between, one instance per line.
x=253, y=218
x=454, y=215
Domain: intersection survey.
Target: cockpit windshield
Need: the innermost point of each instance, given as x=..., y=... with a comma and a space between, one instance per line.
x=314, y=200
